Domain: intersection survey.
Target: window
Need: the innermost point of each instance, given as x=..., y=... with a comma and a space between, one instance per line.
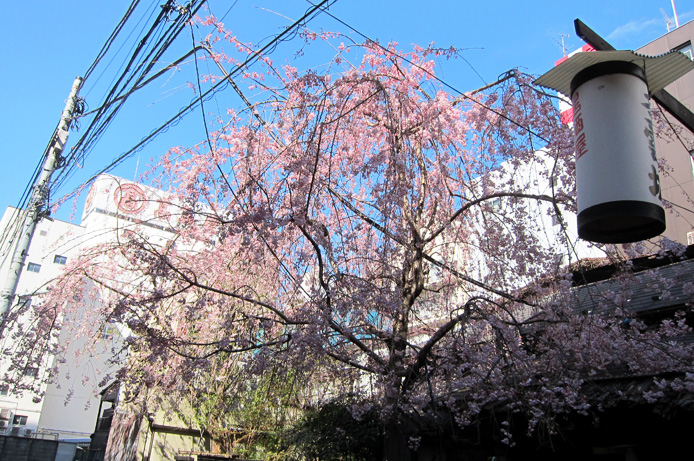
x=58, y=259
x=33, y=267
x=4, y=389
x=686, y=49
x=31, y=372
x=110, y=331
x=43, y=233
x=19, y=420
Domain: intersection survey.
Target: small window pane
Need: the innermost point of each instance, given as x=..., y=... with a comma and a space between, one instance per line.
x=33, y=267
x=58, y=259
x=110, y=331
x=31, y=372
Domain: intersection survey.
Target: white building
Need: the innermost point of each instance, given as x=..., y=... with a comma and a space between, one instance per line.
x=66, y=407
x=551, y=234
x=53, y=244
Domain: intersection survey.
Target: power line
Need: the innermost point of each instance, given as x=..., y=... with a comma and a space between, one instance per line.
x=161, y=42
x=97, y=126
x=432, y=75
x=15, y=223
x=37, y=203
x=149, y=49
x=111, y=38
x=12, y=228
x=228, y=11
x=148, y=15
x=282, y=36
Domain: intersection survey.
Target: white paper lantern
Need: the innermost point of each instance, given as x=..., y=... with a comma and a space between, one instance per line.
x=616, y=167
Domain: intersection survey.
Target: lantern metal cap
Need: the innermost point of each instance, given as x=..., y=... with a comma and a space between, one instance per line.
x=660, y=70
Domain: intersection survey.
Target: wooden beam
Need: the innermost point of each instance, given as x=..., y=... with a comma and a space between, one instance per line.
x=676, y=109
x=662, y=97
x=590, y=37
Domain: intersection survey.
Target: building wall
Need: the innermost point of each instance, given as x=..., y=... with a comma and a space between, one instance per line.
x=161, y=444
x=114, y=207
x=53, y=244
x=134, y=432
x=678, y=183
x=70, y=407
x=557, y=235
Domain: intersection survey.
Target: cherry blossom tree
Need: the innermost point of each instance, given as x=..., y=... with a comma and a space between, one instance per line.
x=376, y=235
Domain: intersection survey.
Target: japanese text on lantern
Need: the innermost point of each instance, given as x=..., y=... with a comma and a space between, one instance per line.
x=579, y=134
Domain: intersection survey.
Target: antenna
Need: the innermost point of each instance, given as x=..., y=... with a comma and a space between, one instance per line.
x=563, y=45
x=667, y=19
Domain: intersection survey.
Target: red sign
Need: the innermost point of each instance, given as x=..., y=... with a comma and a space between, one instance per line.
x=579, y=134
x=130, y=198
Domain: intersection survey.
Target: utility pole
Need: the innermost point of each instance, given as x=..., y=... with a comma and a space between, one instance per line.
x=36, y=209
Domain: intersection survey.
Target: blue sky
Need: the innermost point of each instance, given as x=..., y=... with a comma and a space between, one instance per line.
x=48, y=43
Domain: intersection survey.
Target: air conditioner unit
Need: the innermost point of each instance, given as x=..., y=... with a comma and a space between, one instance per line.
x=27, y=432
x=14, y=431
x=690, y=238
x=5, y=413
x=3, y=424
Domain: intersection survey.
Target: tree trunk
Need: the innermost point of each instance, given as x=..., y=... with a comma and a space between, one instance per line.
x=394, y=443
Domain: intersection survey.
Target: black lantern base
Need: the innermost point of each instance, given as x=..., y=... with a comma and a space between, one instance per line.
x=622, y=221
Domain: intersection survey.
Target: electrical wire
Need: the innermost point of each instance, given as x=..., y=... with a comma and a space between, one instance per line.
x=149, y=50
x=432, y=75
x=148, y=15
x=228, y=11
x=15, y=224
x=111, y=38
x=96, y=129
x=70, y=161
x=290, y=31
x=161, y=40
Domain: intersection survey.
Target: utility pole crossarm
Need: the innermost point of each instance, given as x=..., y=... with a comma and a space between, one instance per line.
x=590, y=37
x=676, y=109
x=662, y=97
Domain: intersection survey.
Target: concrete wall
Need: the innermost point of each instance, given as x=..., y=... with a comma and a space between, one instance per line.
x=26, y=449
